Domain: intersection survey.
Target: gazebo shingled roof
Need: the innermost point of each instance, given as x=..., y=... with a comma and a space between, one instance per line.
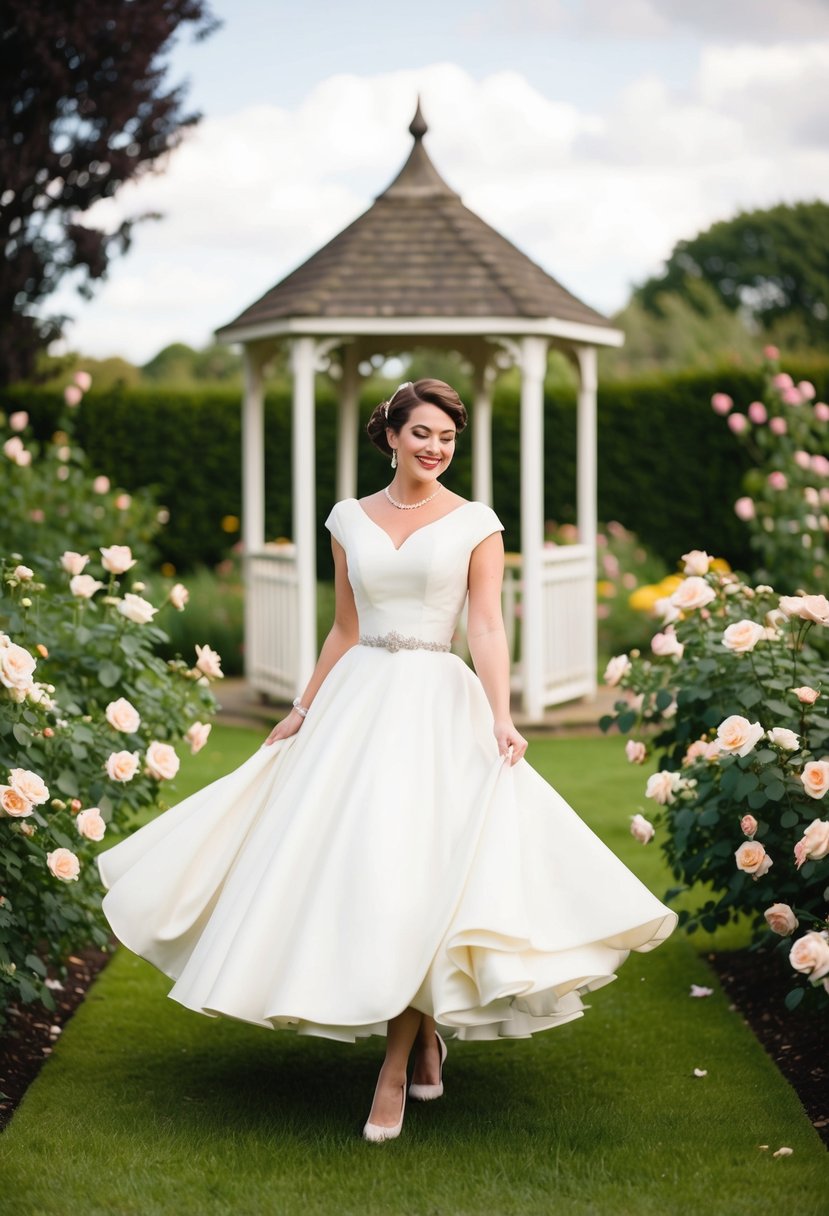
x=417, y=251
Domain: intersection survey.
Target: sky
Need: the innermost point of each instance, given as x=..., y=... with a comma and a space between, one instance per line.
x=593, y=134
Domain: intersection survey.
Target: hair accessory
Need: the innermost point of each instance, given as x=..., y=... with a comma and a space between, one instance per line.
x=405, y=384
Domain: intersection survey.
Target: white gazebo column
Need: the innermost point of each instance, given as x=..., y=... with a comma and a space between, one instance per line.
x=586, y=479
x=484, y=377
x=303, y=357
x=533, y=368
x=348, y=425
x=253, y=486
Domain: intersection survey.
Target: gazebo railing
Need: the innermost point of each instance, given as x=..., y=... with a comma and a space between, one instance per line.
x=568, y=652
x=271, y=621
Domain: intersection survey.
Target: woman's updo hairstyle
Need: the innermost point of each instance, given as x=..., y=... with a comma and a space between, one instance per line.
x=395, y=412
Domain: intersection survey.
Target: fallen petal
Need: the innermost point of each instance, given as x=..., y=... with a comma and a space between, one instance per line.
x=783, y=1152
x=700, y=990
x=700, y=1072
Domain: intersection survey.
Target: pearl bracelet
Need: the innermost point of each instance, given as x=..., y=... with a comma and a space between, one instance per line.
x=301, y=709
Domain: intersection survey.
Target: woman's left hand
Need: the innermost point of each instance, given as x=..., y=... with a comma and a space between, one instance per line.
x=508, y=737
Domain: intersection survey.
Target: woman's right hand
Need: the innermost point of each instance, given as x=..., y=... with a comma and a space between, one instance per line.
x=287, y=727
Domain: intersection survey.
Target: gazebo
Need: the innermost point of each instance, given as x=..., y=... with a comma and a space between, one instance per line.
x=418, y=268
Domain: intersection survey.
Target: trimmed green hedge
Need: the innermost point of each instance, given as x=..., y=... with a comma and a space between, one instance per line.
x=669, y=468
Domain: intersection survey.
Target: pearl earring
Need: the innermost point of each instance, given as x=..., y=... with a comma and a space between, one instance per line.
x=394, y=458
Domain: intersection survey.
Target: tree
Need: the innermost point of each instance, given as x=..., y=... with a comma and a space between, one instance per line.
x=84, y=107
x=769, y=265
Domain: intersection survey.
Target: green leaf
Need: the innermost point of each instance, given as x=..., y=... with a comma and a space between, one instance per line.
x=745, y=784
x=730, y=779
x=626, y=720
x=35, y=964
x=757, y=799
x=750, y=696
x=709, y=817
x=82, y=635
x=22, y=734
x=605, y=722
x=67, y=783
x=109, y=674
x=663, y=699
x=789, y=819
x=793, y=998
x=775, y=791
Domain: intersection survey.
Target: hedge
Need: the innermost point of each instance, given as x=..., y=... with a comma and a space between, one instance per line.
x=668, y=466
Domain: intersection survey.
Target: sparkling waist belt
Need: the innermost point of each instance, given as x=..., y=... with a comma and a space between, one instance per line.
x=395, y=641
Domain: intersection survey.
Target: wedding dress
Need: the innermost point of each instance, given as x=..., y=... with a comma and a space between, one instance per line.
x=385, y=855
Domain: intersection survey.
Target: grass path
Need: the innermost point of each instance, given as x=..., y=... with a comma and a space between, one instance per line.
x=147, y=1109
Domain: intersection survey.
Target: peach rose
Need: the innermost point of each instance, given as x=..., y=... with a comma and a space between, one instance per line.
x=744, y=509
x=742, y=636
x=24, y=573
x=810, y=955
x=19, y=420
x=636, y=752
x=778, y=426
x=693, y=592
x=696, y=562
x=815, y=608
x=667, y=644
x=122, y=766
x=162, y=761
x=117, y=559
x=72, y=395
x=617, y=667
x=806, y=695
x=753, y=859
x=785, y=739
x=84, y=586
x=123, y=716
x=29, y=785
x=641, y=829
x=209, y=662
x=90, y=824
x=179, y=595
x=813, y=844
x=662, y=787
x=101, y=484
x=17, y=666
x=73, y=563
x=815, y=778
x=64, y=864
x=737, y=423
x=781, y=919
x=748, y=826
x=136, y=609
x=738, y=736
x=721, y=403
x=198, y=733
x=83, y=381
x=13, y=803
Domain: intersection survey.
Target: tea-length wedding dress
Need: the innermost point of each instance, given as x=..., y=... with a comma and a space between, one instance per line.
x=384, y=856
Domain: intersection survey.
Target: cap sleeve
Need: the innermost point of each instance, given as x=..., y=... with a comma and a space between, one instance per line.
x=484, y=522
x=334, y=523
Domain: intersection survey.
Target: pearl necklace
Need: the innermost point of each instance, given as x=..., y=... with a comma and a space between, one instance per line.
x=410, y=506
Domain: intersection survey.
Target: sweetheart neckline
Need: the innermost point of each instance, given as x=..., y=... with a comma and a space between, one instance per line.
x=422, y=527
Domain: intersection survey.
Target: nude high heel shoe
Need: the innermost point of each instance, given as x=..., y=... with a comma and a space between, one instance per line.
x=425, y=1093
x=375, y=1133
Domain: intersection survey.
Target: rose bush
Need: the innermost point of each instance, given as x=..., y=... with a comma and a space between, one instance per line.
x=736, y=710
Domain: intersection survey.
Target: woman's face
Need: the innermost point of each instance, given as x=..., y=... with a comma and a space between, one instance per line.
x=425, y=444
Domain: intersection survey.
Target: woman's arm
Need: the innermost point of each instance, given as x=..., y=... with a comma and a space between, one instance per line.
x=341, y=637
x=488, y=640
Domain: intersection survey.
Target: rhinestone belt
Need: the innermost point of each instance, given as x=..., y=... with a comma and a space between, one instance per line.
x=395, y=641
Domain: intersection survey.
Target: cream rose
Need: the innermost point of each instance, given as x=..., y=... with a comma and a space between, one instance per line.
x=179, y=595
x=618, y=666
x=753, y=859
x=641, y=829
x=17, y=666
x=198, y=733
x=162, y=761
x=123, y=716
x=667, y=644
x=693, y=592
x=738, y=736
x=635, y=751
x=666, y=611
x=781, y=919
x=73, y=563
x=813, y=844
x=743, y=636
x=785, y=739
x=814, y=608
x=810, y=955
x=90, y=824
x=122, y=766
x=136, y=609
x=806, y=695
x=117, y=559
x=696, y=562
x=815, y=778
x=13, y=802
x=748, y=825
x=29, y=785
x=209, y=662
x=84, y=586
x=24, y=573
x=662, y=787
x=64, y=864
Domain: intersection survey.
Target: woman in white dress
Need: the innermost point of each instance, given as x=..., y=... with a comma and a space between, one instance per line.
x=387, y=862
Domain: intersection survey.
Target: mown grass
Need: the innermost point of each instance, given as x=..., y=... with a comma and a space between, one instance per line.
x=148, y=1109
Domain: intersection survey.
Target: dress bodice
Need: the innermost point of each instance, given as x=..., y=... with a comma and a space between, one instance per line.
x=418, y=589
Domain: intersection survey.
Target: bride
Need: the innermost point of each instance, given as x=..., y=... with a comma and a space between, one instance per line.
x=387, y=862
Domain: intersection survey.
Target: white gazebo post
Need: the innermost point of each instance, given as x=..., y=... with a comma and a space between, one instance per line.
x=586, y=483
x=533, y=367
x=483, y=379
x=253, y=481
x=348, y=425
x=303, y=358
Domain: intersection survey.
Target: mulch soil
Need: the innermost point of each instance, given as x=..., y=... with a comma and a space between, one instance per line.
x=796, y=1041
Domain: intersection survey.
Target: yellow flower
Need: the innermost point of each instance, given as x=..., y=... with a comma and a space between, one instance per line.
x=720, y=565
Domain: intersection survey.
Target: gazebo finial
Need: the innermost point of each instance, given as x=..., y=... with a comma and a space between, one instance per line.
x=418, y=126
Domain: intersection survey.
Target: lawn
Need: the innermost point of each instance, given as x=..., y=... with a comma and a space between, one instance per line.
x=145, y=1108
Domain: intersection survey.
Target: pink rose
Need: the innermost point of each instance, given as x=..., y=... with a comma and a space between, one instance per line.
x=783, y=738
x=721, y=403
x=782, y=380
x=17, y=666
x=13, y=803
x=791, y=396
x=73, y=563
x=696, y=750
x=821, y=411
x=742, y=636
x=820, y=465
x=748, y=825
x=777, y=480
x=781, y=919
x=810, y=955
x=162, y=761
x=667, y=644
x=758, y=413
x=63, y=864
x=209, y=663
x=101, y=484
x=815, y=778
x=29, y=785
x=807, y=390
x=692, y=592
x=83, y=381
x=814, y=608
x=72, y=395
x=738, y=736
x=90, y=824
x=753, y=859
x=662, y=787
x=744, y=509
x=635, y=751
x=123, y=501
x=806, y=695
x=814, y=843
x=802, y=459
x=771, y=352
x=778, y=426
x=122, y=766
x=123, y=716
x=117, y=559
x=198, y=733
x=19, y=420
x=84, y=586
x=179, y=595
x=737, y=423
x=641, y=829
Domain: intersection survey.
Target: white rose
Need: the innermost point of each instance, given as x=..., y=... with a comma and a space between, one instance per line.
x=662, y=787
x=815, y=608
x=752, y=858
x=24, y=573
x=738, y=736
x=618, y=666
x=635, y=751
x=162, y=761
x=781, y=919
x=209, y=662
x=179, y=595
x=743, y=636
x=13, y=803
x=64, y=864
x=785, y=739
x=814, y=843
x=667, y=644
x=16, y=666
x=693, y=592
x=197, y=735
x=90, y=824
x=29, y=785
x=117, y=559
x=84, y=585
x=73, y=563
x=666, y=610
x=641, y=829
x=122, y=766
x=123, y=716
x=696, y=562
x=136, y=609
x=810, y=955
x=815, y=778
